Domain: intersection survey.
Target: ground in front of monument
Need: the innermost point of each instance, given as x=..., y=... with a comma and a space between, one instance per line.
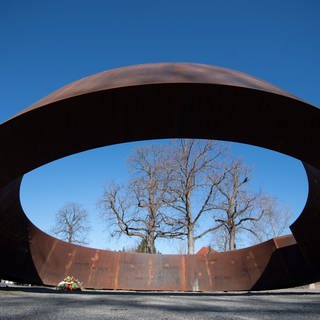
x=48, y=303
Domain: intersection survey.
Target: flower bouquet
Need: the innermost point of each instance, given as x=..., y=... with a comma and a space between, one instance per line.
x=69, y=283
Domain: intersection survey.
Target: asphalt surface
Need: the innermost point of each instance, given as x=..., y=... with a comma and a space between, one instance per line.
x=45, y=303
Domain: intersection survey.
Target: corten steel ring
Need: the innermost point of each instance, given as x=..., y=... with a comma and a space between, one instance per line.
x=167, y=100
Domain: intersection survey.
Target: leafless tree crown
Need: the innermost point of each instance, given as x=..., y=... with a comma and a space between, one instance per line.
x=71, y=224
x=187, y=189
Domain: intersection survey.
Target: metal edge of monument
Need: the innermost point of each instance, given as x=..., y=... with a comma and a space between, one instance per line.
x=159, y=101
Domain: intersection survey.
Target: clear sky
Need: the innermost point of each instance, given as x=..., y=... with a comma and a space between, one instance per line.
x=48, y=44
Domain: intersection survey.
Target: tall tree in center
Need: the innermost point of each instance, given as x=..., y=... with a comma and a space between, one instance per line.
x=197, y=172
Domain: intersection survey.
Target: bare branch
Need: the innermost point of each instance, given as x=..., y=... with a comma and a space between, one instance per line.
x=207, y=231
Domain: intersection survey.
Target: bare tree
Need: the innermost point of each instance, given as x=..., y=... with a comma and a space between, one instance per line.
x=138, y=210
x=274, y=222
x=236, y=208
x=220, y=240
x=197, y=172
x=71, y=223
x=181, y=247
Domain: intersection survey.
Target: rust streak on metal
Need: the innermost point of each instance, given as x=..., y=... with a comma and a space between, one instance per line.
x=70, y=261
x=47, y=260
x=150, y=271
x=94, y=261
x=183, y=272
x=117, y=269
x=208, y=271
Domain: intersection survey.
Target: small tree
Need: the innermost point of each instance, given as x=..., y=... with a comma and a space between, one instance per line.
x=220, y=240
x=71, y=224
x=142, y=247
x=274, y=222
x=237, y=209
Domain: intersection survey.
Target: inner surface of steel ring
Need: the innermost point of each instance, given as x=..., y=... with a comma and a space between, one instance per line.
x=154, y=101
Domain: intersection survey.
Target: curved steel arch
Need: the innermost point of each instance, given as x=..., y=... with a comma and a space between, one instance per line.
x=159, y=101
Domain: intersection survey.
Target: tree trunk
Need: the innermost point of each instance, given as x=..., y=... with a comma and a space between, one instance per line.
x=70, y=234
x=232, y=243
x=150, y=245
x=190, y=240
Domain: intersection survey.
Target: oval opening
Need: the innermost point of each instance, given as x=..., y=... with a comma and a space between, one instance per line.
x=82, y=178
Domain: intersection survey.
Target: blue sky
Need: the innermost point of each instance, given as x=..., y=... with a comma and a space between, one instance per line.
x=47, y=44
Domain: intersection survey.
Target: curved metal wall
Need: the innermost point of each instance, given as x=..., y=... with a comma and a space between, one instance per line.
x=147, y=102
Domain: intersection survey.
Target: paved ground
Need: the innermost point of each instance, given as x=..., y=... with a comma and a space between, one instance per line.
x=43, y=303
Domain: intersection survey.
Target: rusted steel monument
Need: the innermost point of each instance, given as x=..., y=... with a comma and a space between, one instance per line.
x=155, y=101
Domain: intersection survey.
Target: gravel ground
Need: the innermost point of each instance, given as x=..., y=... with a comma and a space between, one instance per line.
x=45, y=303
